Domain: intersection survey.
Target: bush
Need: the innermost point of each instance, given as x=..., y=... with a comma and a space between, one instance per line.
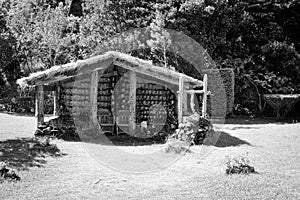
x=7, y=173
x=221, y=86
x=176, y=146
x=193, y=131
x=239, y=165
x=61, y=128
x=23, y=101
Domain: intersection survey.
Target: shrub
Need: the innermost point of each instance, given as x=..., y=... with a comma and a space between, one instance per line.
x=239, y=165
x=45, y=147
x=221, y=85
x=193, y=131
x=176, y=146
x=7, y=173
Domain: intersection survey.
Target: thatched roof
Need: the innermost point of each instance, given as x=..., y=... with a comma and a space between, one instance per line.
x=101, y=62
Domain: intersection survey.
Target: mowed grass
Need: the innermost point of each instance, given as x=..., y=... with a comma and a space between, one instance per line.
x=273, y=150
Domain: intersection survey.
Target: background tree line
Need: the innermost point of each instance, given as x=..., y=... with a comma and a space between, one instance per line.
x=258, y=39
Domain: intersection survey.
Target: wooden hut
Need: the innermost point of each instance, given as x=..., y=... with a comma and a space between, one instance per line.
x=118, y=92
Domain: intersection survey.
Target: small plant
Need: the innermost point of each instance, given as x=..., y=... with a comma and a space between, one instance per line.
x=193, y=131
x=7, y=173
x=44, y=146
x=239, y=165
x=177, y=147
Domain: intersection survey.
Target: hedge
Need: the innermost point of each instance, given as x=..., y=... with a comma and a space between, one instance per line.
x=221, y=86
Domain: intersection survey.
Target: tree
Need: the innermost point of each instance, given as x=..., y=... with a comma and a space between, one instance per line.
x=9, y=61
x=44, y=34
x=160, y=38
x=258, y=38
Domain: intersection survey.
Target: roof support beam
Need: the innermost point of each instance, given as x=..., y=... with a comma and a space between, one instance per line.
x=180, y=100
x=204, y=103
x=132, y=102
x=39, y=103
x=93, y=97
x=56, y=94
x=152, y=73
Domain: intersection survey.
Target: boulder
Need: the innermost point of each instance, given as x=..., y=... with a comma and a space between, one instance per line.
x=38, y=132
x=47, y=131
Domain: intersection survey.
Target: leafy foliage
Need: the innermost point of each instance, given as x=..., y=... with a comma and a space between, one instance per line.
x=42, y=34
x=160, y=38
x=7, y=173
x=9, y=61
x=258, y=39
x=239, y=165
x=193, y=131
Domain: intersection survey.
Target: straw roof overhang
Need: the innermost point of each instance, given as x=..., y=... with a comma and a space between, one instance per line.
x=101, y=62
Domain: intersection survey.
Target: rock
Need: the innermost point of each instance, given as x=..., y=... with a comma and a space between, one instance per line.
x=55, y=132
x=46, y=142
x=242, y=169
x=2, y=165
x=38, y=132
x=189, y=125
x=42, y=126
x=8, y=173
x=47, y=131
x=3, y=171
x=11, y=174
x=194, y=119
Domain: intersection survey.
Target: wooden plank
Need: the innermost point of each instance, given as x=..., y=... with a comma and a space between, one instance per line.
x=204, y=103
x=40, y=104
x=195, y=91
x=93, y=97
x=101, y=62
x=132, y=102
x=180, y=99
x=192, y=102
x=85, y=67
x=167, y=76
x=145, y=79
x=36, y=103
x=157, y=75
x=78, y=77
x=49, y=87
x=158, y=72
x=53, y=80
x=56, y=94
x=184, y=101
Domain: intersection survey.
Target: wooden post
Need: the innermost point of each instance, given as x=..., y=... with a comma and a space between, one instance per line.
x=204, y=103
x=93, y=97
x=132, y=102
x=184, y=101
x=180, y=99
x=39, y=104
x=192, y=102
x=56, y=94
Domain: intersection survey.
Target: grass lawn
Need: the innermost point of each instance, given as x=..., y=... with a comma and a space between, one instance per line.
x=273, y=150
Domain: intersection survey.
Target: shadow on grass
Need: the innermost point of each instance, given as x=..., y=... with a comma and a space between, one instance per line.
x=223, y=139
x=214, y=138
x=23, y=153
x=249, y=121
x=244, y=127
x=242, y=120
x=119, y=140
x=128, y=140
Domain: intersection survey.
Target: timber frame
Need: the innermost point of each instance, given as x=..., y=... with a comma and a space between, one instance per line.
x=90, y=68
